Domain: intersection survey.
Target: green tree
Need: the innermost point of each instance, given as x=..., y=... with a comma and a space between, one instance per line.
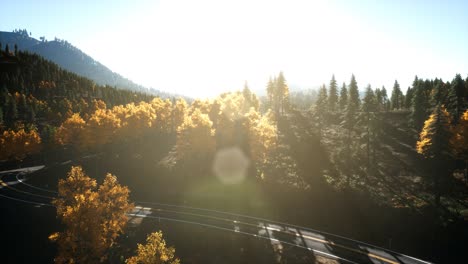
x=333, y=95
x=369, y=106
x=321, y=106
x=419, y=104
x=270, y=91
x=457, y=102
x=396, y=99
x=1, y=116
x=369, y=103
x=385, y=101
x=282, y=90
x=354, y=100
x=408, y=98
x=434, y=146
x=343, y=97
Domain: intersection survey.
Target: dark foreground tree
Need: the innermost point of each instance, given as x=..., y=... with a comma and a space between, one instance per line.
x=434, y=145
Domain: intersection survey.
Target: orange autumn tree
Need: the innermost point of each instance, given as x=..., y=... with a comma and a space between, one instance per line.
x=100, y=128
x=19, y=144
x=154, y=251
x=195, y=137
x=179, y=111
x=71, y=132
x=93, y=217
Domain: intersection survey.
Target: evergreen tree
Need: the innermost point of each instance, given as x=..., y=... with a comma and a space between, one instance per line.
x=408, y=98
x=438, y=94
x=354, y=94
x=343, y=97
x=378, y=99
x=1, y=116
x=282, y=91
x=434, y=145
x=333, y=95
x=321, y=105
x=386, y=103
x=396, y=99
x=457, y=102
x=419, y=113
x=270, y=91
x=369, y=103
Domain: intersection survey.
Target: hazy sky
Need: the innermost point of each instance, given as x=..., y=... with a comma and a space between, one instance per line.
x=204, y=47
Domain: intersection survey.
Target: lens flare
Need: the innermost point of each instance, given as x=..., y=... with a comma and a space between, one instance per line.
x=230, y=165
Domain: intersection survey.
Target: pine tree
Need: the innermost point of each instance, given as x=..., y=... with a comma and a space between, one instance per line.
x=459, y=141
x=396, y=98
x=369, y=103
x=333, y=95
x=386, y=103
x=457, y=102
x=271, y=93
x=282, y=90
x=408, y=98
x=419, y=103
x=369, y=106
x=438, y=94
x=354, y=94
x=379, y=99
x=321, y=105
x=343, y=97
x=434, y=146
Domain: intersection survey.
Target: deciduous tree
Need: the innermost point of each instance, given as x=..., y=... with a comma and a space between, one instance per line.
x=93, y=217
x=154, y=251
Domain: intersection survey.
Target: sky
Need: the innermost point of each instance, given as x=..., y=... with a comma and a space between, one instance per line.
x=205, y=47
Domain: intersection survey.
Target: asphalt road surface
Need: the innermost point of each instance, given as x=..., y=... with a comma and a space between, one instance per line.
x=15, y=188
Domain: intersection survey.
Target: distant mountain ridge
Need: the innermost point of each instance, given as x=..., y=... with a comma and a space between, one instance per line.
x=72, y=59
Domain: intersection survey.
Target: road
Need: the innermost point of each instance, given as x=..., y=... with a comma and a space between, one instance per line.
x=14, y=188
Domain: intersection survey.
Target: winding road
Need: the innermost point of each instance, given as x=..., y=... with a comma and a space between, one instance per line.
x=14, y=187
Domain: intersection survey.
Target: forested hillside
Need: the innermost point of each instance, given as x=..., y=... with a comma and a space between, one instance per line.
x=37, y=96
x=72, y=59
x=393, y=159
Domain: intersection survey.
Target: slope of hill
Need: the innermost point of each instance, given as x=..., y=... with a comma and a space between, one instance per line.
x=72, y=59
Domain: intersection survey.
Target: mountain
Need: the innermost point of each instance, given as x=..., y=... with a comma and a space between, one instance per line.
x=72, y=59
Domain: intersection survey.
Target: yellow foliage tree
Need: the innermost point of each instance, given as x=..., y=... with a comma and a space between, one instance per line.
x=195, y=136
x=93, y=217
x=19, y=144
x=262, y=136
x=179, y=111
x=100, y=128
x=162, y=112
x=71, y=132
x=154, y=252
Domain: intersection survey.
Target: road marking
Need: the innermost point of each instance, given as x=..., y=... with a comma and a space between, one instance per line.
x=244, y=223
